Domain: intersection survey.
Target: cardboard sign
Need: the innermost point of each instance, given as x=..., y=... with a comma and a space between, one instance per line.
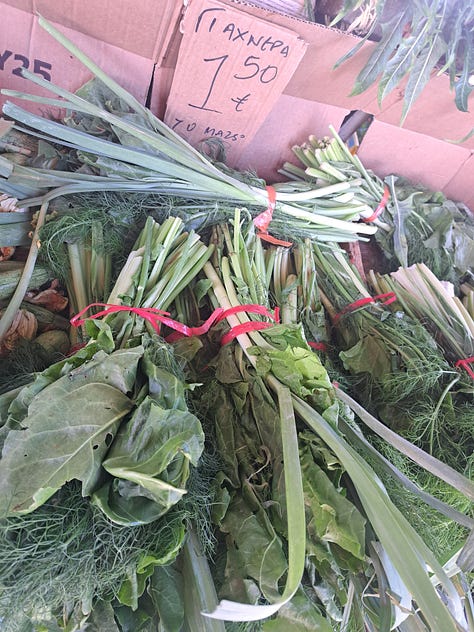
x=230, y=71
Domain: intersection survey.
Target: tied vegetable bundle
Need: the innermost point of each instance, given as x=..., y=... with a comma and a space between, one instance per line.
x=281, y=461
x=112, y=417
x=321, y=543
x=414, y=225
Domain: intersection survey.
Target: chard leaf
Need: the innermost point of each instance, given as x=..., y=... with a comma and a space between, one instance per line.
x=149, y=461
x=330, y=516
x=153, y=439
x=67, y=431
x=369, y=355
x=164, y=388
x=19, y=406
x=130, y=504
x=134, y=586
x=298, y=615
x=101, y=619
x=301, y=370
x=166, y=592
x=254, y=549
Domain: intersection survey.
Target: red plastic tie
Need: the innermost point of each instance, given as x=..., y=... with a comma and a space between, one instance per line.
x=158, y=317
x=382, y=204
x=152, y=315
x=262, y=221
x=244, y=328
x=464, y=363
x=385, y=299
x=318, y=346
x=253, y=325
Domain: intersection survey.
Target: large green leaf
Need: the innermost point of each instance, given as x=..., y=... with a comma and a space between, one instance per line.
x=301, y=371
x=129, y=504
x=67, y=432
x=330, y=516
x=253, y=547
x=102, y=618
x=166, y=591
x=18, y=408
x=368, y=355
x=298, y=615
x=151, y=441
x=149, y=462
x=134, y=586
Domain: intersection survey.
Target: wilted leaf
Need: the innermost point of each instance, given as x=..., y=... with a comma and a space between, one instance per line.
x=331, y=516
x=253, y=545
x=369, y=355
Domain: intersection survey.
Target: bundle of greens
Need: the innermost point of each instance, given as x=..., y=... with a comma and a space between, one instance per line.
x=397, y=371
x=120, y=145
x=113, y=143
x=415, y=225
x=117, y=412
x=434, y=303
x=126, y=448
x=273, y=375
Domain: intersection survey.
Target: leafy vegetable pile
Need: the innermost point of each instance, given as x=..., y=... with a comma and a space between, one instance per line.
x=193, y=466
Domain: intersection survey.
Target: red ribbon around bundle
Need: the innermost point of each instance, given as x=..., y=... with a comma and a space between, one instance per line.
x=385, y=299
x=382, y=204
x=262, y=221
x=465, y=364
x=158, y=317
x=318, y=346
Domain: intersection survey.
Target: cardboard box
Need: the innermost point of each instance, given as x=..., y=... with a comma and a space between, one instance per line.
x=138, y=44
x=126, y=38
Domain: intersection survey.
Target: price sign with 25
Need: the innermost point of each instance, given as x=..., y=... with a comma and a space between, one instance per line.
x=15, y=62
x=231, y=69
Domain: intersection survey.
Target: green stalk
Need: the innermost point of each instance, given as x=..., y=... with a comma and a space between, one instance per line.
x=98, y=264
x=124, y=282
x=413, y=452
x=406, y=549
x=199, y=591
x=78, y=276
x=166, y=235
x=13, y=306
